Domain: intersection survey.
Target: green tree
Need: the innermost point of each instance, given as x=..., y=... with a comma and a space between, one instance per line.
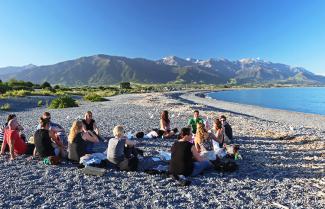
x=125, y=85
x=46, y=85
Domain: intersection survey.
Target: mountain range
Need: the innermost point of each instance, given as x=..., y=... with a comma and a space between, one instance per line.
x=105, y=69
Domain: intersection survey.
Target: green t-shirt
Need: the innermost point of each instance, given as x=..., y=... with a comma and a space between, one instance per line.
x=192, y=122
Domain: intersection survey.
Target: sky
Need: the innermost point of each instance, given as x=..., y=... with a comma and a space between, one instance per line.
x=49, y=31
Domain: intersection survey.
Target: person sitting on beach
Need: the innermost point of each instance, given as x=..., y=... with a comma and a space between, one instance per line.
x=78, y=141
x=165, y=125
x=227, y=130
x=17, y=145
x=2, y=129
x=182, y=154
x=89, y=124
x=46, y=141
x=195, y=120
x=56, y=128
x=218, y=131
x=203, y=142
x=121, y=151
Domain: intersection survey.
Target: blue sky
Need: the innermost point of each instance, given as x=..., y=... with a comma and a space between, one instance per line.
x=49, y=31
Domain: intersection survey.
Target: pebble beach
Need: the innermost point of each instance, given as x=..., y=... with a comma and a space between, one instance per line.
x=283, y=163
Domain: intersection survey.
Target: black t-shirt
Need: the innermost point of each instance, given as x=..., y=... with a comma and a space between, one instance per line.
x=182, y=158
x=77, y=148
x=89, y=126
x=43, y=143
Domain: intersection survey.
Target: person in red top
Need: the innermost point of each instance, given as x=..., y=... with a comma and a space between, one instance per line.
x=17, y=145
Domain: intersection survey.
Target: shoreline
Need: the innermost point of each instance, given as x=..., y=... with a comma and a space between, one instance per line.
x=297, y=119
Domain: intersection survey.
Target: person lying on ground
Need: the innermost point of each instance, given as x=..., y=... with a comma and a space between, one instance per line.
x=79, y=141
x=165, y=125
x=185, y=159
x=195, y=120
x=46, y=141
x=121, y=150
x=17, y=145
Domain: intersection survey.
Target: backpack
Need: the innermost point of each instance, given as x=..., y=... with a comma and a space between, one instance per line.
x=225, y=165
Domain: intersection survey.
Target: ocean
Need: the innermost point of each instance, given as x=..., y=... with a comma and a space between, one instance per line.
x=305, y=99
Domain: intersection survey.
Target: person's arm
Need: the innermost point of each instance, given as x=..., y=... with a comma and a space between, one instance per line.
x=89, y=136
x=96, y=128
x=162, y=125
x=189, y=123
x=84, y=129
x=213, y=137
x=55, y=138
x=3, y=146
x=197, y=147
x=196, y=154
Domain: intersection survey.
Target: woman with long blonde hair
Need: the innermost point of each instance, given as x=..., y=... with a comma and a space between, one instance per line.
x=203, y=140
x=79, y=140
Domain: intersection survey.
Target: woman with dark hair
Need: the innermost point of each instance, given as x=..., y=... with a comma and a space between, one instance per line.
x=218, y=131
x=5, y=126
x=46, y=142
x=165, y=125
x=185, y=159
x=89, y=124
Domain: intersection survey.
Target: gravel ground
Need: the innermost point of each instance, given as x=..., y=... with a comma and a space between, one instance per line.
x=282, y=167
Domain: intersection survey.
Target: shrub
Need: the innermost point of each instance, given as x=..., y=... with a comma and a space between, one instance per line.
x=46, y=85
x=93, y=97
x=5, y=106
x=63, y=102
x=40, y=103
x=17, y=93
x=125, y=85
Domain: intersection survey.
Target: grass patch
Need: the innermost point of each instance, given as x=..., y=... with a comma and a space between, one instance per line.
x=5, y=107
x=64, y=101
x=93, y=97
x=17, y=93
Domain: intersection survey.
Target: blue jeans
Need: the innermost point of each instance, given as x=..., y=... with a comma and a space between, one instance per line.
x=200, y=166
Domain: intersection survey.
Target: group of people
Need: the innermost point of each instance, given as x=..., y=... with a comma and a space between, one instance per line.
x=189, y=154
x=50, y=138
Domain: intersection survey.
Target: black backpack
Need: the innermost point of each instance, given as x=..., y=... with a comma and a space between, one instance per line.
x=225, y=165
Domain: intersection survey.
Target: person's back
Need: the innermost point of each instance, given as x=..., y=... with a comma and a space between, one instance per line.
x=43, y=143
x=181, y=158
x=77, y=148
x=115, y=150
x=206, y=144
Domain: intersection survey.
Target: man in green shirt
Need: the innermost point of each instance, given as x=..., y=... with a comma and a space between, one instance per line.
x=195, y=120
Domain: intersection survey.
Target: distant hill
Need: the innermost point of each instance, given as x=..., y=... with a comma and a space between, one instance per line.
x=11, y=70
x=105, y=69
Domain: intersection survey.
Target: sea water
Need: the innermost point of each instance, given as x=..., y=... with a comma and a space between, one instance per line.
x=306, y=99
